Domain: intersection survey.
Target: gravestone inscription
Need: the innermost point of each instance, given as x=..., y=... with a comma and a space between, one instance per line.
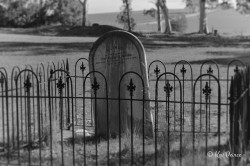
x=114, y=54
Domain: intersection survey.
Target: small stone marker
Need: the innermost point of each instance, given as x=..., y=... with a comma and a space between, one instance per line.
x=114, y=54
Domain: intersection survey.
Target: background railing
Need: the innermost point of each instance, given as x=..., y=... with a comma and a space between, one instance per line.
x=239, y=115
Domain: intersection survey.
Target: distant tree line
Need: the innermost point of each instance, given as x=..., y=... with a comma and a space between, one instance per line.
x=32, y=13
x=243, y=6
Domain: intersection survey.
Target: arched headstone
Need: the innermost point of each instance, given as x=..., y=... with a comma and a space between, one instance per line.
x=114, y=54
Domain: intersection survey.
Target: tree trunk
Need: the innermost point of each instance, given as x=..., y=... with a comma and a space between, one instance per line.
x=60, y=7
x=166, y=16
x=41, y=4
x=203, y=20
x=158, y=16
x=84, y=12
x=128, y=15
x=41, y=15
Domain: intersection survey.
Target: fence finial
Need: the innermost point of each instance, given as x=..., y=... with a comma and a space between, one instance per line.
x=27, y=84
x=183, y=70
x=95, y=86
x=168, y=88
x=82, y=67
x=131, y=87
x=207, y=90
x=60, y=85
x=236, y=70
x=210, y=70
x=157, y=71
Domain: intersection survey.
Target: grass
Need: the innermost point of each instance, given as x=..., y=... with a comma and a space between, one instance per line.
x=174, y=158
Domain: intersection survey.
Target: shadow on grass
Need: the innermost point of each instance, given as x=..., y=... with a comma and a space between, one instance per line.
x=162, y=45
x=224, y=61
x=195, y=37
x=88, y=31
x=62, y=31
x=228, y=57
x=196, y=40
x=45, y=48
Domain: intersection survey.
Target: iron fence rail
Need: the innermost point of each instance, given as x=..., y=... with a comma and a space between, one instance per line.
x=42, y=111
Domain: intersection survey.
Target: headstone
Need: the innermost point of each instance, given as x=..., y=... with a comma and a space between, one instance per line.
x=114, y=54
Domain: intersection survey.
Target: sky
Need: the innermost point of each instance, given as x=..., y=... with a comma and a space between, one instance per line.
x=106, y=6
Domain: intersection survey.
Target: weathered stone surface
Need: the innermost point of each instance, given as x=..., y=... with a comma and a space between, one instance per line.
x=114, y=54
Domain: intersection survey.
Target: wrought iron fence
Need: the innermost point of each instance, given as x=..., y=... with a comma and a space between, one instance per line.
x=47, y=115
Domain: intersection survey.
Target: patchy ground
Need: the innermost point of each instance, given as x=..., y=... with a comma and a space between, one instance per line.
x=168, y=48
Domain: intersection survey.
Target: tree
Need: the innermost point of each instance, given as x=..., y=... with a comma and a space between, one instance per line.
x=65, y=12
x=124, y=17
x=243, y=6
x=164, y=9
x=161, y=7
x=155, y=13
x=84, y=11
x=60, y=10
x=2, y=16
x=202, y=6
x=23, y=13
x=71, y=13
x=203, y=17
x=158, y=15
x=16, y=14
x=192, y=4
